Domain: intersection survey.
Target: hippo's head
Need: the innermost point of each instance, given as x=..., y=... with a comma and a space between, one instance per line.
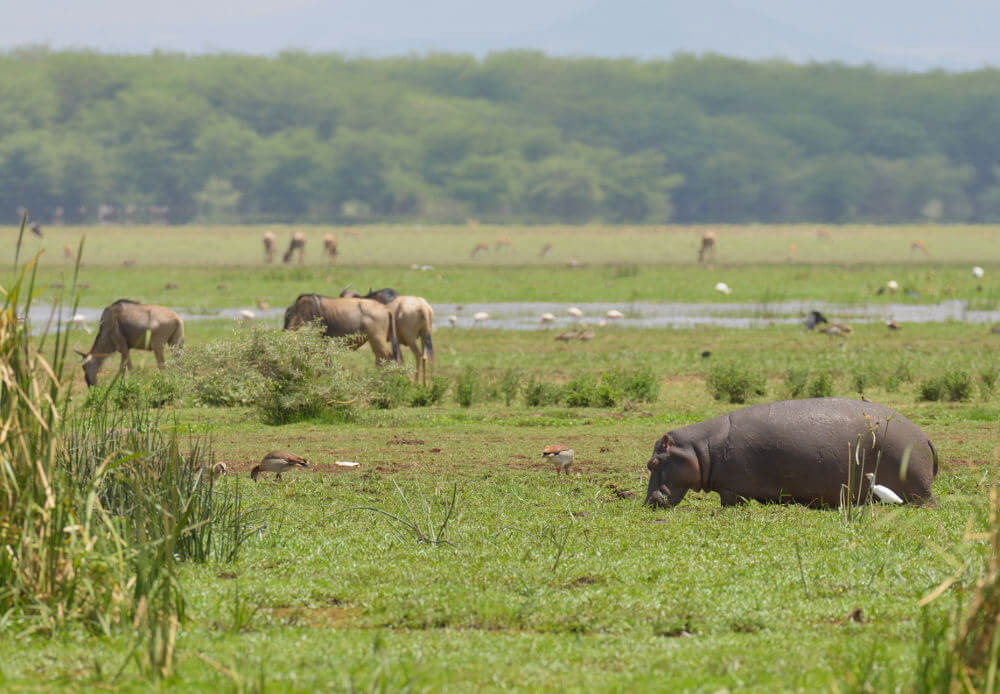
x=673, y=469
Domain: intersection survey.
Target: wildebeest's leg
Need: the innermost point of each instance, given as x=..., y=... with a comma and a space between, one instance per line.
x=418, y=362
x=121, y=346
x=157, y=348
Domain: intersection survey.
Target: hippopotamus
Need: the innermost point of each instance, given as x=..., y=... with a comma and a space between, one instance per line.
x=794, y=451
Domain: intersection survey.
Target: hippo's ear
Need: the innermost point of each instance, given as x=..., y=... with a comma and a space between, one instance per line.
x=665, y=442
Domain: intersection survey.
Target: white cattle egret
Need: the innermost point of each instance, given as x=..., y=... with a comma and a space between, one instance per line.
x=883, y=493
x=414, y=267
x=547, y=318
x=246, y=315
x=614, y=315
x=724, y=288
x=978, y=272
x=481, y=316
x=892, y=286
x=425, y=268
x=575, y=312
x=453, y=319
x=79, y=321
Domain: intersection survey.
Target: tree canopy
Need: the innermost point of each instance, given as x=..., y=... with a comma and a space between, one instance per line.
x=515, y=137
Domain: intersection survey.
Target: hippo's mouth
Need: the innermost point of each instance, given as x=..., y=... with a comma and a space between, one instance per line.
x=659, y=498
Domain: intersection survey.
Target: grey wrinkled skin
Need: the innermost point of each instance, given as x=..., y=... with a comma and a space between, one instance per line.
x=794, y=451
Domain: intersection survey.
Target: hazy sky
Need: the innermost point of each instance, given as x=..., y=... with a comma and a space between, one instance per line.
x=902, y=33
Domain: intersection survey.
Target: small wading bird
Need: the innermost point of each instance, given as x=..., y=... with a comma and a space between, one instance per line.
x=481, y=317
x=561, y=455
x=547, y=318
x=978, y=272
x=453, y=319
x=279, y=462
x=883, y=493
x=575, y=312
x=724, y=288
x=614, y=315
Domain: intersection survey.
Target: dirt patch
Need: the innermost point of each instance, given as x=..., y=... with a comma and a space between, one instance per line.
x=399, y=441
x=330, y=615
x=434, y=450
x=621, y=493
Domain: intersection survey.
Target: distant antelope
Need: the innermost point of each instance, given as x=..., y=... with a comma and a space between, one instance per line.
x=330, y=246
x=353, y=233
x=504, y=242
x=270, y=241
x=68, y=253
x=707, y=246
x=918, y=246
x=298, y=243
x=472, y=222
x=791, y=252
x=545, y=249
x=822, y=234
x=481, y=246
x=36, y=229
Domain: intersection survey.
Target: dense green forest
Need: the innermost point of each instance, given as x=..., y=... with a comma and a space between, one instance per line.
x=514, y=137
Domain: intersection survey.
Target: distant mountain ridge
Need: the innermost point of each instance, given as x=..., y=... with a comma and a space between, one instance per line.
x=893, y=33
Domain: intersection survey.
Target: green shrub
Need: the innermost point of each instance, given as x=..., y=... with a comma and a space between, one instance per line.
x=152, y=390
x=932, y=389
x=539, y=393
x=580, y=392
x=734, y=382
x=640, y=385
x=988, y=379
x=861, y=378
x=795, y=382
x=389, y=388
x=821, y=386
x=467, y=387
x=900, y=374
x=958, y=385
x=510, y=385
x=423, y=395
x=608, y=390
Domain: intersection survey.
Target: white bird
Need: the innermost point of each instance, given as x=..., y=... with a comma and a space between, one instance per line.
x=978, y=272
x=247, y=315
x=883, y=493
x=346, y=463
x=453, y=319
x=547, y=318
x=80, y=321
x=724, y=288
x=892, y=286
x=425, y=268
x=480, y=316
x=614, y=315
x=575, y=312
x=414, y=267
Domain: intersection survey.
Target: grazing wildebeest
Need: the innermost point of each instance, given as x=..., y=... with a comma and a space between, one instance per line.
x=129, y=325
x=504, y=242
x=799, y=451
x=414, y=323
x=545, y=249
x=482, y=246
x=68, y=254
x=298, y=243
x=270, y=241
x=707, y=246
x=364, y=319
x=918, y=246
x=330, y=246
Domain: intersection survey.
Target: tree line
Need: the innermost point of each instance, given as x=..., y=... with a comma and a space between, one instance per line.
x=514, y=137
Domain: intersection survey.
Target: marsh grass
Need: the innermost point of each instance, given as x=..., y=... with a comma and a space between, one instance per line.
x=735, y=382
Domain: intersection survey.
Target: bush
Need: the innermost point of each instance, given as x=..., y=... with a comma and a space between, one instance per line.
x=796, y=381
x=466, y=387
x=423, y=395
x=510, y=385
x=952, y=385
x=580, y=392
x=735, y=382
x=900, y=374
x=821, y=386
x=608, y=390
x=861, y=378
x=389, y=387
x=152, y=390
x=932, y=389
x=640, y=385
x=539, y=393
x=988, y=379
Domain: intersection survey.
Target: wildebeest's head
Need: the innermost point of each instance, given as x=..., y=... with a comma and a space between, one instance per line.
x=91, y=366
x=383, y=296
x=673, y=469
x=348, y=293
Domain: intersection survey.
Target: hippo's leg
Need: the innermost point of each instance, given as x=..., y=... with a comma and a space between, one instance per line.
x=731, y=498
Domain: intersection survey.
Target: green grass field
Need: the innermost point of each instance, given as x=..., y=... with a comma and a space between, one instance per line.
x=546, y=583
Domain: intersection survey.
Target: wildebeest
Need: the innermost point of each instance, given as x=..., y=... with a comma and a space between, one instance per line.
x=298, y=243
x=918, y=246
x=126, y=325
x=482, y=246
x=270, y=240
x=414, y=323
x=707, y=246
x=504, y=242
x=330, y=246
x=364, y=319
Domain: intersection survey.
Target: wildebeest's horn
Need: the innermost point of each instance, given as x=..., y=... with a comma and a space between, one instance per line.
x=80, y=352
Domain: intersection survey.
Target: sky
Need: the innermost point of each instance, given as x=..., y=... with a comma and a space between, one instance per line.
x=905, y=34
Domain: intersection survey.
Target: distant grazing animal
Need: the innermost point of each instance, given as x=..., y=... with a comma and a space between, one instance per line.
x=453, y=319
x=834, y=330
x=219, y=469
x=813, y=319
x=547, y=318
x=172, y=285
x=892, y=325
x=791, y=252
x=566, y=336
x=298, y=243
x=586, y=335
x=128, y=262
x=353, y=233
x=365, y=320
x=480, y=317
x=106, y=214
x=270, y=242
x=68, y=253
x=36, y=229
x=129, y=325
x=707, y=247
x=794, y=451
x=262, y=305
x=723, y=288
x=561, y=455
x=504, y=242
x=482, y=246
x=575, y=312
x=918, y=246
x=330, y=246
x=414, y=324
x=892, y=286
x=247, y=316
x=279, y=462
x=823, y=234
x=614, y=315
x=545, y=249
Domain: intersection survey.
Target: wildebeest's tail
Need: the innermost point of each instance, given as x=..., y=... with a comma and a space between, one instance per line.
x=934, y=454
x=396, y=355
x=428, y=325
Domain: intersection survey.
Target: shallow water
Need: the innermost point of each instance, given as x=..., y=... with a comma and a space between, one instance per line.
x=525, y=315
